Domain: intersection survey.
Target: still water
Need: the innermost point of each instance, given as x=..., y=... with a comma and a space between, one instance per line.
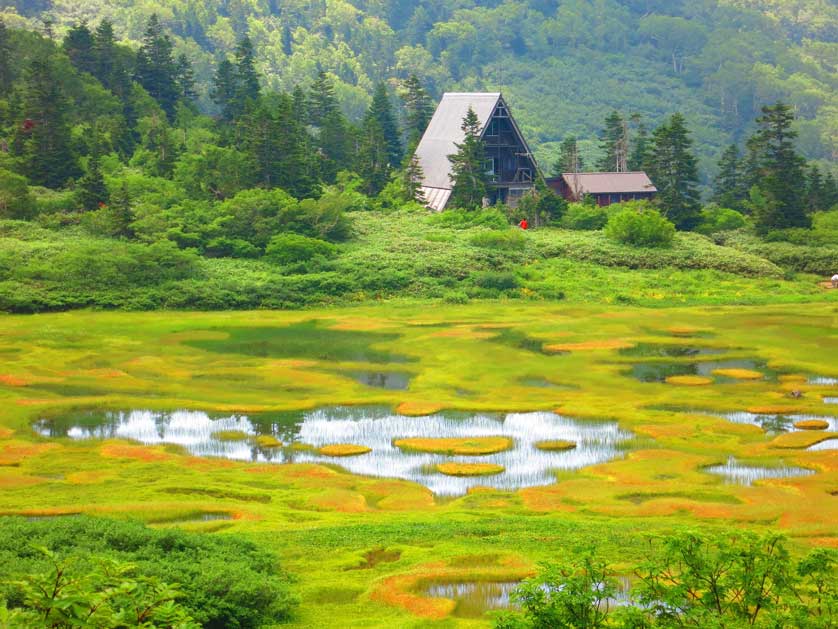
x=376, y=428
x=737, y=473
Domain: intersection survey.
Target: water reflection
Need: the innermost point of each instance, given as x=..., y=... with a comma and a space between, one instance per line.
x=660, y=371
x=774, y=422
x=668, y=350
x=822, y=380
x=525, y=465
x=737, y=473
x=827, y=444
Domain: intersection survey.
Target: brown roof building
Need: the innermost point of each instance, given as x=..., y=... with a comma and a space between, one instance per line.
x=605, y=188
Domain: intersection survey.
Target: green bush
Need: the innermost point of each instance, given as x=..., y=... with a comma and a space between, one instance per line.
x=226, y=581
x=584, y=217
x=646, y=228
x=494, y=280
x=511, y=240
x=15, y=200
x=290, y=248
x=456, y=297
x=818, y=259
x=716, y=219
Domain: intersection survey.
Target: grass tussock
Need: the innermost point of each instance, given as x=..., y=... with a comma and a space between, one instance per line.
x=467, y=446
x=469, y=469
x=689, y=381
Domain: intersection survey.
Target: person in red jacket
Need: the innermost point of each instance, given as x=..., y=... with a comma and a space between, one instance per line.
x=523, y=224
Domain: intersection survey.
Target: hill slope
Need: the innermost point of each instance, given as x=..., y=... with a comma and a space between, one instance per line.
x=564, y=65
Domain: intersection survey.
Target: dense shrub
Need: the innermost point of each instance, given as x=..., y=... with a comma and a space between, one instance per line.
x=718, y=219
x=495, y=280
x=511, y=239
x=646, y=228
x=584, y=217
x=290, y=248
x=819, y=259
x=15, y=200
x=226, y=580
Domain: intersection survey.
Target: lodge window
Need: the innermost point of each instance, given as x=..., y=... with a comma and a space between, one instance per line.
x=526, y=174
x=489, y=166
x=501, y=112
x=492, y=131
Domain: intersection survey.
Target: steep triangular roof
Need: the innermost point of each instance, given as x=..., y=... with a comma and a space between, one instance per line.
x=444, y=132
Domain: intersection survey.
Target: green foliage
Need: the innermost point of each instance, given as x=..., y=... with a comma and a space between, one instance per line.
x=490, y=218
x=494, y=280
x=468, y=172
x=584, y=217
x=290, y=248
x=718, y=219
x=806, y=258
x=103, y=593
x=509, y=239
x=687, y=580
x=640, y=227
x=224, y=581
x=15, y=199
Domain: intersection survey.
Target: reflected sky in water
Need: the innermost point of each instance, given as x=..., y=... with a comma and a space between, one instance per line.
x=376, y=428
x=737, y=473
x=828, y=444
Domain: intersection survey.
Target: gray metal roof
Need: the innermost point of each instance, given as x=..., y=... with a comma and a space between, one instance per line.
x=444, y=132
x=435, y=198
x=609, y=183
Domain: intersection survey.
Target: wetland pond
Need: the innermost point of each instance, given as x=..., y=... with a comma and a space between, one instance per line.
x=738, y=473
x=302, y=433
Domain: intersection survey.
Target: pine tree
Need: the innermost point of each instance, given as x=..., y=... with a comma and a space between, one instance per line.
x=815, y=197
x=373, y=160
x=614, y=144
x=569, y=159
x=418, y=109
x=185, y=78
x=640, y=148
x=92, y=192
x=413, y=177
x=381, y=109
x=223, y=91
x=46, y=139
x=729, y=188
x=321, y=99
x=5, y=59
x=122, y=213
x=247, y=79
x=156, y=70
x=468, y=171
x=78, y=44
x=779, y=171
x=673, y=169
x=830, y=191
x=106, y=68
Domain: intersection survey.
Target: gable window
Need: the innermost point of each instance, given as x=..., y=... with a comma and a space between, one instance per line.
x=502, y=112
x=492, y=131
x=489, y=166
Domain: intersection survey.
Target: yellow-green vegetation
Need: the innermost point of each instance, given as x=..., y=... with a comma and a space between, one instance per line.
x=268, y=441
x=473, y=446
x=690, y=381
x=739, y=374
x=556, y=444
x=343, y=449
x=322, y=522
x=230, y=435
x=469, y=469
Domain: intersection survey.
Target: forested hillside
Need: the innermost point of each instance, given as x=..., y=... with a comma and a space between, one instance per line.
x=564, y=64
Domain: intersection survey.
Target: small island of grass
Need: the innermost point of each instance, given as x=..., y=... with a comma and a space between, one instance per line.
x=469, y=446
x=469, y=469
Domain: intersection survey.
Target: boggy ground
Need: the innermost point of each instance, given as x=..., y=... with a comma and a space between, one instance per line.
x=364, y=549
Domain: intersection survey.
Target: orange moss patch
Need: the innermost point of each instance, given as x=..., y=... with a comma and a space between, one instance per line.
x=418, y=409
x=268, y=441
x=410, y=498
x=771, y=410
x=15, y=453
x=469, y=446
x=138, y=453
x=13, y=381
x=798, y=440
x=689, y=381
x=469, y=469
x=463, y=333
x=557, y=444
x=684, y=330
x=792, y=378
x=343, y=449
x=339, y=500
x=33, y=401
x=5, y=433
x=206, y=463
x=812, y=424
x=361, y=325
x=89, y=477
x=738, y=374
x=12, y=480
x=588, y=345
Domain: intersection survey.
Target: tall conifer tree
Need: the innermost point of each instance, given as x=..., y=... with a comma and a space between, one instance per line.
x=569, y=159
x=156, y=69
x=46, y=137
x=79, y=46
x=381, y=109
x=614, y=144
x=5, y=59
x=418, y=109
x=779, y=171
x=729, y=186
x=674, y=170
x=468, y=169
x=92, y=191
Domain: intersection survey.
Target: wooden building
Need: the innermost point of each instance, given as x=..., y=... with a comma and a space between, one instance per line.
x=605, y=188
x=510, y=164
